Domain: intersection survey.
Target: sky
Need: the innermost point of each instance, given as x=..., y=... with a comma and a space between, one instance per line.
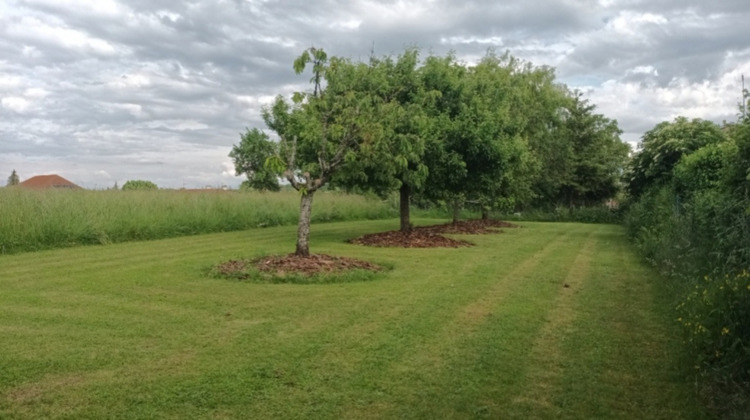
x=105, y=91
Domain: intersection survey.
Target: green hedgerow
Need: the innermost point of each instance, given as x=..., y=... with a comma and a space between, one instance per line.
x=716, y=317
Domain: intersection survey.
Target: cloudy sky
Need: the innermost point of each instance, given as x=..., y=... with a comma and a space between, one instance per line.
x=103, y=91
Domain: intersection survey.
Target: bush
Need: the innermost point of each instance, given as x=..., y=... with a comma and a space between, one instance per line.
x=139, y=185
x=715, y=315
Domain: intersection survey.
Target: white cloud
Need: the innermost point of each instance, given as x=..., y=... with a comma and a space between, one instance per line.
x=458, y=40
x=16, y=103
x=33, y=29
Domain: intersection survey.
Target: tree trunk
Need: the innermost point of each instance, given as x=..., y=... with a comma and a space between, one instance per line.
x=303, y=228
x=456, y=204
x=405, y=193
x=485, y=213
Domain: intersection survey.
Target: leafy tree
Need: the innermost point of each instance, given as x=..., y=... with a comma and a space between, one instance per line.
x=250, y=158
x=321, y=131
x=541, y=106
x=139, y=185
x=477, y=152
x=596, y=157
x=662, y=148
x=13, y=179
x=395, y=161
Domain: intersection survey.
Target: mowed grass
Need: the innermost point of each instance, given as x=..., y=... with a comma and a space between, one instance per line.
x=546, y=321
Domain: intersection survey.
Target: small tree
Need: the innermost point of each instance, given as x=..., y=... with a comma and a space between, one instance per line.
x=13, y=179
x=139, y=185
x=250, y=159
x=321, y=131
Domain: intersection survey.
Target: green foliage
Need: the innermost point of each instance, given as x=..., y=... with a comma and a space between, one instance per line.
x=139, y=185
x=689, y=218
x=591, y=172
x=715, y=315
x=13, y=179
x=662, y=148
x=250, y=157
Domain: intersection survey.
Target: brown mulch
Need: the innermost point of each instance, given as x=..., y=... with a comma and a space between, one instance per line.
x=417, y=238
x=469, y=227
x=283, y=264
x=431, y=236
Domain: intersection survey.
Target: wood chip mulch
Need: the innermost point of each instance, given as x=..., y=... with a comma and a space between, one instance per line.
x=469, y=227
x=431, y=236
x=315, y=263
x=310, y=265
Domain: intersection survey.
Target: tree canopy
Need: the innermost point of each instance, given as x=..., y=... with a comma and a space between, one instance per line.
x=489, y=135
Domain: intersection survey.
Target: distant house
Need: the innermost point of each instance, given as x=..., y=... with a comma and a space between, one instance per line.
x=40, y=182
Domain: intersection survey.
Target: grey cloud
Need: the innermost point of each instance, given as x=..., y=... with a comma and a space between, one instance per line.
x=176, y=82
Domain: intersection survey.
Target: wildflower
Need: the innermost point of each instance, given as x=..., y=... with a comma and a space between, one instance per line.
x=724, y=331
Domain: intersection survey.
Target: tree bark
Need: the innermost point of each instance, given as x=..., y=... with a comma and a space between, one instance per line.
x=456, y=204
x=303, y=228
x=405, y=194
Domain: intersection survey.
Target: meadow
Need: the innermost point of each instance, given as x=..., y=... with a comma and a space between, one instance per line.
x=550, y=320
x=35, y=220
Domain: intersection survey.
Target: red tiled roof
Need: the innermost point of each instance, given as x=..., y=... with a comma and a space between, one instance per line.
x=48, y=181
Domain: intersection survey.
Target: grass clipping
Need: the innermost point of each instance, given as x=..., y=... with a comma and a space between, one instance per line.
x=316, y=268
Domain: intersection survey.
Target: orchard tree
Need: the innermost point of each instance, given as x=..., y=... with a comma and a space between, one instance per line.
x=478, y=153
x=250, y=159
x=322, y=131
x=13, y=179
x=395, y=161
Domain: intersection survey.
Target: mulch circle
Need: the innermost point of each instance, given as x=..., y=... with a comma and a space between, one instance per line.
x=419, y=237
x=309, y=265
x=312, y=264
x=431, y=236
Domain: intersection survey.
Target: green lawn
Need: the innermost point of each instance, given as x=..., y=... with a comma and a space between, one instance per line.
x=138, y=330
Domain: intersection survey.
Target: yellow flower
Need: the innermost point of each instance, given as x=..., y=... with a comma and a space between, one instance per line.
x=724, y=331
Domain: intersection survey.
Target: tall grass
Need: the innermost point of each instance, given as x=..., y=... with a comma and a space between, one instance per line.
x=34, y=220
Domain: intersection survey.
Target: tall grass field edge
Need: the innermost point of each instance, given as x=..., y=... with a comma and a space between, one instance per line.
x=36, y=220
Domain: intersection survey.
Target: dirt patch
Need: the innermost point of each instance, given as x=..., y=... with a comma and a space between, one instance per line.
x=281, y=265
x=432, y=236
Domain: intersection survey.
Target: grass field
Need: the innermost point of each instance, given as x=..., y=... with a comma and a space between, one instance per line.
x=34, y=220
x=139, y=331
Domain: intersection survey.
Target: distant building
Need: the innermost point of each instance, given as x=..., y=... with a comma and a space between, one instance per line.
x=41, y=182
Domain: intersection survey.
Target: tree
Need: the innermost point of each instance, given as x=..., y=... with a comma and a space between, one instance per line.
x=139, y=185
x=395, y=160
x=477, y=153
x=13, y=179
x=662, y=148
x=597, y=155
x=250, y=158
x=321, y=131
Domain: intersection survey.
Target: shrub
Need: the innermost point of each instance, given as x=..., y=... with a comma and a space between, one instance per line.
x=139, y=185
x=715, y=315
